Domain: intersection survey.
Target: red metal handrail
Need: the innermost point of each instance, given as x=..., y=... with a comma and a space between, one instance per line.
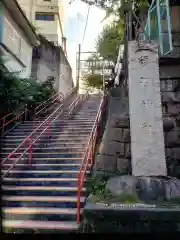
x=76, y=101
x=3, y=119
x=88, y=156
x=49, y=121
x=53, y=98
x=29, y=139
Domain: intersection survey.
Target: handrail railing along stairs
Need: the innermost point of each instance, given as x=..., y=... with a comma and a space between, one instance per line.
x=38, y=110
x=46, y=124
x=89, y=155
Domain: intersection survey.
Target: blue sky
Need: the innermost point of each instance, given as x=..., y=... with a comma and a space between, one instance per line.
x=74, y=23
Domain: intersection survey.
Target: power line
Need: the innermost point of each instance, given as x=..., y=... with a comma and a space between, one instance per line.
x=86, y=24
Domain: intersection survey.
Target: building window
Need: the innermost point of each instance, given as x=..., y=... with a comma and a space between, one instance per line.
x=45, y=16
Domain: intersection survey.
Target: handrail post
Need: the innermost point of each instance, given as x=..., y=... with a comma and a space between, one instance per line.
x=30, y=152
x=25, y=113
x=50, y=129
x=91, y=152
x=3, y=125
x=79, y=199
x=2, y=134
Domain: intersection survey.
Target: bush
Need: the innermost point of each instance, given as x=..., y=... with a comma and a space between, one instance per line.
x=93, y=81
x=15, y=92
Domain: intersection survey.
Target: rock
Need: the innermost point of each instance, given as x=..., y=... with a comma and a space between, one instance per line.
x=148, y=189
x=122, y=185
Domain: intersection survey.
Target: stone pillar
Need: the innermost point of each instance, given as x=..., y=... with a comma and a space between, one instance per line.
x=147, y=141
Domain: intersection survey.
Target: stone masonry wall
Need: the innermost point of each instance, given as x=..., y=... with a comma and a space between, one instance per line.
x=114, y=153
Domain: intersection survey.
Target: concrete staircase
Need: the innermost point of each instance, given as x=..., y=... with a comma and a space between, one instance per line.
x=43, y=196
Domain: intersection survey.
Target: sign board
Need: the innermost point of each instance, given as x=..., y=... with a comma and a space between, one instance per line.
x=98, y=64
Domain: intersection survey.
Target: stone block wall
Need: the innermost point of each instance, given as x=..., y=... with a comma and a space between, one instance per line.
x=170, y=93
x=114, y=153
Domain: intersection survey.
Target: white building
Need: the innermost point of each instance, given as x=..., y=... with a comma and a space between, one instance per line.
x=17, y=38
x=47, y=17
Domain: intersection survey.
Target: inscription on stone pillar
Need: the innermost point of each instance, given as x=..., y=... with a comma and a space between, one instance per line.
x=147, y=140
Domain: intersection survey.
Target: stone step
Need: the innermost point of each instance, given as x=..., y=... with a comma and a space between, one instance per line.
x=43, y=166
x=74, y=121
x=62, y=123
x=49, y=148
x=51, y=159
x=40, y=213
x=8, y=179
x=49, y=153
x=42, y=201
x=42, y=173
x=64, y=139
x=40, y=188
x=40, y=181
x=24, y=210
x=43, y=150
x=24, y=190
x=70, y=134
x=40, y=225
x=8, y=142
x=55, y=129
x=47, y=133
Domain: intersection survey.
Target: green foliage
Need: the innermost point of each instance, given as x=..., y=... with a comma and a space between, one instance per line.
x=93, y=81
x=108, y=42
x=96, y=186
x=15, y=92
x=98, y=192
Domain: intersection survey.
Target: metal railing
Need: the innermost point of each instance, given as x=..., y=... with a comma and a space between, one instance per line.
x=46, y=103
x=88, y=156
x=10, y=118
x=158, y=26
x=73, y=105
x=46, y=124
x=23, y=114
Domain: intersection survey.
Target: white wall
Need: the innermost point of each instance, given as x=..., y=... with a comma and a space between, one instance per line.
x=50, y=29
x=17, y=44
x=65, y=83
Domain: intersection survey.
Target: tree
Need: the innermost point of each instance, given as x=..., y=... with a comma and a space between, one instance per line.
x=93, y=81
x=117, y=8
x=15, y=92
x=108, y=42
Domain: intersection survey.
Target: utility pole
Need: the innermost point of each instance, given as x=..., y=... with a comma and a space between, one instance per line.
x=78, y=66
